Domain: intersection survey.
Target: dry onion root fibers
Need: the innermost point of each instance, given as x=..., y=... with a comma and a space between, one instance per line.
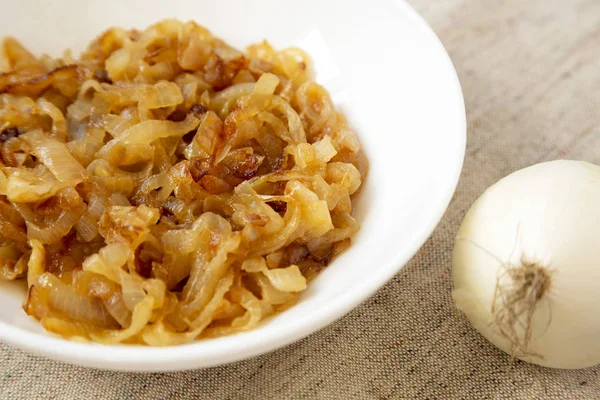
x=526, y=264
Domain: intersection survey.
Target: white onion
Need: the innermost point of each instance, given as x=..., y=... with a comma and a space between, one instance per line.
x=526, y=264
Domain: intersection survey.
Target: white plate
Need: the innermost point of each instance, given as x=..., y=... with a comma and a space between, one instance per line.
x=385, y=69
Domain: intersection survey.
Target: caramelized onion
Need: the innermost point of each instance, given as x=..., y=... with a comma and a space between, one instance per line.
x=165, y=187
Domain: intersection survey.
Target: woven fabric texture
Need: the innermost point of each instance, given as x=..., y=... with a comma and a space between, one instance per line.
x=530, y=72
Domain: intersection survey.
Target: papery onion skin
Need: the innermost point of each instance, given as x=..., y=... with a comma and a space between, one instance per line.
x=166, y=187
x=538, y=226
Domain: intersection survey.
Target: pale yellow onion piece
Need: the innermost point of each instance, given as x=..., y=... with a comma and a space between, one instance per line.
x=303, y=96
x=272, y=295
x=274, y=259
x=287, y=279
x=96, y=206
x=139, y=217
x=254, y=313
x=64, y=299
x=262, y=93
x=206, y=137
x=118, y=199
x=300, y=56
x=205, y=99
x=14, y=263
x=208, y=311
x=145, y=133
x=254, y=264
x=132, y=154
x=315, y=211
x=222, y=101
x=344, y=174
x=108, y=261
x=25, y=186
x=268, y=244
x=120, y=184
x=85, y=147
x=116, y=125
x=189, y=91
x=94, y=140
x=151, y=183
x=195, y=47
x=132, y=289
x=3, y=183
x=225, y=51
x=247, y=201
x=324, y=150
x=26, y=213
x=335, y=235
x=204, y=277
x=139, y=319
x=57, y=229
x=37, y=262
x=174, y=268
x=294, y=122
x=278, y=127
x=336, y=196
x=100, y=167
x=157, y=289
x=160, y=70
x=76, y=331
x=158, y=335
x=294, y=174
x=79, y=110
x=167, y=184
x=128, y=224
x=346, y=137
x=205, y=274
x=117, y=63
x=90, y=84
x=316, y=183
x=59, y=125
x=149, y=131
x=117, y=308
x=162, y=94
x=181, y=210
x=115, y=254
x=94, y=263
x=185, y=241
x=180, y=241
x=303, y=153
x=87, y=228
x=57, y=158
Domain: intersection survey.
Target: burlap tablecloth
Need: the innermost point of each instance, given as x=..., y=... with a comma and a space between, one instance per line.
x=530, y=71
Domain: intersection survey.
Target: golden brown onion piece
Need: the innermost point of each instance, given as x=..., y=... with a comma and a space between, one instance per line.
x=166, y=187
